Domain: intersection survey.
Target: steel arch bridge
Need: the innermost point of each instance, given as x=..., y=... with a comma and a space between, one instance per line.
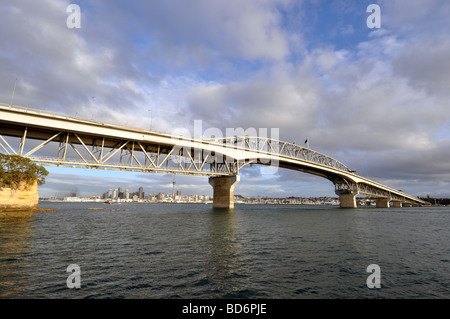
x=52, y=139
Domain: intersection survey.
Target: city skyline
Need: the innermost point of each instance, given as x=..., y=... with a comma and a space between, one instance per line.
x=308, y=185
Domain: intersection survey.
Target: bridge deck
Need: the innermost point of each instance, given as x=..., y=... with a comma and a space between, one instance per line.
x=59, y=140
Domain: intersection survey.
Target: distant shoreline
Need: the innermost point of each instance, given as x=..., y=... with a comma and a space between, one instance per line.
x=210, y=203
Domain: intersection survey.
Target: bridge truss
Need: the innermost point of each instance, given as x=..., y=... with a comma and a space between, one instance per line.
x=68, y=149
x=57, y=140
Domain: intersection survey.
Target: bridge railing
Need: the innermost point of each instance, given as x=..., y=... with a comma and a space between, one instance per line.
x=271, y=146
x=40, y=112
x=57, y=115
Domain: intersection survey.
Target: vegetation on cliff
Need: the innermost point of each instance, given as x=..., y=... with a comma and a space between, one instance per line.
x=15, y=169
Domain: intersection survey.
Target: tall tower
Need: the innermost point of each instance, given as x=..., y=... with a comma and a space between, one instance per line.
x=173, y=188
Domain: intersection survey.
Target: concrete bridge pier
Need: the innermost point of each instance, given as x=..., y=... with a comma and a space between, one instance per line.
x=348, y=200
x=398, y=204
x=223, y=190
x=383, y=202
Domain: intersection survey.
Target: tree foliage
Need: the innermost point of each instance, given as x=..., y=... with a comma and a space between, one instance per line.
x=15, y=169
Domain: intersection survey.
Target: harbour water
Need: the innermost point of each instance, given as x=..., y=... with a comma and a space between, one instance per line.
x=154, y=251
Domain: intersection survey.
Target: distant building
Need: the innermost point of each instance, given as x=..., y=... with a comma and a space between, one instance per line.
x=141, y=193
x=72, y=199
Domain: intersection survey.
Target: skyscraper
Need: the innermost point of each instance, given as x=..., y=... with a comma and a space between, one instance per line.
x=141, y=192
x=173, y=187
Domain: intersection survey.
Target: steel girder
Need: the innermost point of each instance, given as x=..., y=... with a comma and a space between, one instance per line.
x=345, y=186
x=264, y=145
x=125, y=155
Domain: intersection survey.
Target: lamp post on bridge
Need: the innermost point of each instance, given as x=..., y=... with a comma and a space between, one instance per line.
x=93, y=107
x=14, y=90
x=150, y=119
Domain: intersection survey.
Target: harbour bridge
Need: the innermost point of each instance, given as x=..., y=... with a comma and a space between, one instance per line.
x=52, y=139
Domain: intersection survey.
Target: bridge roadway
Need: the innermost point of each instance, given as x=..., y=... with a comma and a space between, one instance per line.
x=52, y=139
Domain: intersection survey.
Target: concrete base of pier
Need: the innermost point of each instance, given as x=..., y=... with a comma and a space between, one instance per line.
x=383, y=203
x=348, y=200
x=398, y=204
x=223, y=191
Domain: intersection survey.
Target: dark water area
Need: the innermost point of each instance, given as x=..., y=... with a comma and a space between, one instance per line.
x=154, y=251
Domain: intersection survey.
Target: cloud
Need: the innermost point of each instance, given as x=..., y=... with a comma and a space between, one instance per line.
x=284, y=98
x=205, y=29
x=416, y=17
x=424, y=68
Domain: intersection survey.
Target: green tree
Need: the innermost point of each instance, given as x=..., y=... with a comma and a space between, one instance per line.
x=15, y=169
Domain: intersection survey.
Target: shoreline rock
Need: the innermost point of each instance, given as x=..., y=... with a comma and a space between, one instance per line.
x=27, y=210
x=22, y=198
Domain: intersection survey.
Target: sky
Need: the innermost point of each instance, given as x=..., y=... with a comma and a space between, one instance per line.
x=376, y=99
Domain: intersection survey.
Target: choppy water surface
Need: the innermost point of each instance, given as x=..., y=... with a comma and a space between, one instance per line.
x=193, y=251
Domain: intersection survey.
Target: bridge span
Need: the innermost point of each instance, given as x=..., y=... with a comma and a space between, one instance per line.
x=52, y=139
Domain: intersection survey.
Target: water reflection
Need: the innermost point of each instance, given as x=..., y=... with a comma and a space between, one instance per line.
x=225, y=265
x=15, y=243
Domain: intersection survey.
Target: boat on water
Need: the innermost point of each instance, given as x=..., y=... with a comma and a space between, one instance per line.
x=109, y=202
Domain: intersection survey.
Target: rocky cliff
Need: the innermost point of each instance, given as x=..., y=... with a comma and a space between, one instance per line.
x=24, y=197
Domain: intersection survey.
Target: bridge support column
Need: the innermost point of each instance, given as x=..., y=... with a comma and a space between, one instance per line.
x=383, y=202
x=348, y=200
x=223, y=191
x=398, y=204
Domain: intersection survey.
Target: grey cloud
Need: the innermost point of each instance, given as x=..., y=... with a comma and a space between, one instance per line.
x=369, y=111
x=145, y=43
x=416, y=17
x=280, y=100
x=426, y=65
x=246, y=30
